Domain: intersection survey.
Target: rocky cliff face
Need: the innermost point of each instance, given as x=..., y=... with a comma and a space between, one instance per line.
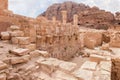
x=89, y=17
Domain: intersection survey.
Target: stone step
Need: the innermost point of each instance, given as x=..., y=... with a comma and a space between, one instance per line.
x=18, y=60
x=20, y=51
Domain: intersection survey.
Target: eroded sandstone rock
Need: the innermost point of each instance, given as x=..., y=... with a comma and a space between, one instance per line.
x=3, y=65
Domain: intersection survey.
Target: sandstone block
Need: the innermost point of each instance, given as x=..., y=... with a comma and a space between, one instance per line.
x=24, y=40
x=88, y=65
x=14, y=27
x=20, y=51
x=44, y=53
x=40, y=60
x=31, y=47
x=17, y=34
x=5, y=35
x=4, y=5
x=3, y=77
x=42, y=76
x=115, y=39
x=106, y=66
x=18, y=60
x=3, y=65
x=92, y=38
x=67, y=66
x=63, y=76
x=96, y=58
x=34, y=54
x=115, y=44
x=40, y=53
x=105, y=47
x=83, y=74
x=90, y=44
x=14, y=40
x=49, y=65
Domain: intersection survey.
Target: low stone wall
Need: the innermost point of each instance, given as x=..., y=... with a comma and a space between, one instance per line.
x=115, y=39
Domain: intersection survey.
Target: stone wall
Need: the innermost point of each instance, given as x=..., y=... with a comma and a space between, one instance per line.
x=91, y=38
x=3, y=4
x=115, y=39
x=61, y=40
x=115, y=75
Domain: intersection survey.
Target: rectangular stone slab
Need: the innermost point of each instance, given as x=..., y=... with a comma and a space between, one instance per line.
x=88, y=65
x=83, y=74
x=20, y=51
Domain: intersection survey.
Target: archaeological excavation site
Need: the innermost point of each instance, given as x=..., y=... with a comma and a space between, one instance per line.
x=69, y=41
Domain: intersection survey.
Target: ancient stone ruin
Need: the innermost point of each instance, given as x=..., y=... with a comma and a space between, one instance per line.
x=42, y=49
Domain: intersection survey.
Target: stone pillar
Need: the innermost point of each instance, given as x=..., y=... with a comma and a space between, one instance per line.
x=54, y=19
x=43, y=42
x=75, y=19
x=3, y=4
x=64, y=17
x=33, y=33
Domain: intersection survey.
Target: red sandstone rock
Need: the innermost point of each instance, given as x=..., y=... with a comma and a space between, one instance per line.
x=90, y=17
